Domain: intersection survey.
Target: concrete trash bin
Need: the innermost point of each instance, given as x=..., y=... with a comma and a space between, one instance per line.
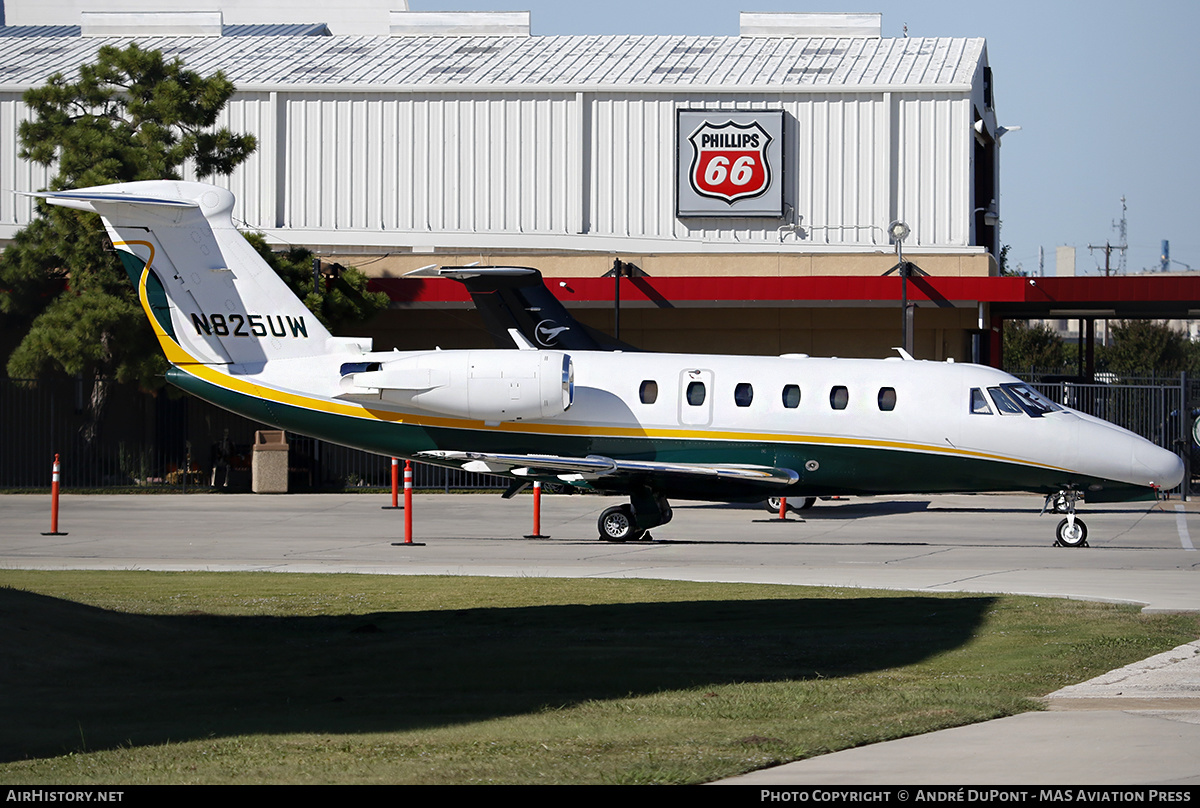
x=269, y=463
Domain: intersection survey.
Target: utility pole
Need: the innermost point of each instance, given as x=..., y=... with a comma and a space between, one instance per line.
x=1121, y=228
x=1108, y=251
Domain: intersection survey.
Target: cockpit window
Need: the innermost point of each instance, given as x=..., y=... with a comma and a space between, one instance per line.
x=979, y=405
x=1004, y=404
x=1015, y=398
x=1030, y=400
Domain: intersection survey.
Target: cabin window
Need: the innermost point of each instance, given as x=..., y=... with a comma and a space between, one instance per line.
x=743, y=394
x=979, y=405
x=791, y=396
x=695, y=393
x=839, y=397
x=887, y=398
x=648, y=391
x=1004, y=404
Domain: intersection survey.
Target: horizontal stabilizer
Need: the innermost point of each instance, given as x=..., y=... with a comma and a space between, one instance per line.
x=85, y=200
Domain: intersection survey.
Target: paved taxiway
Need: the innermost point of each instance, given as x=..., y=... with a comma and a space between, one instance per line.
x=1140, y=552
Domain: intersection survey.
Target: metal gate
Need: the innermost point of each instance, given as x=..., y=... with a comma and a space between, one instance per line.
x=1160, y=410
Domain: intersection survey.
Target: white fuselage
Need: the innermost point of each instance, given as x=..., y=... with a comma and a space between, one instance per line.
x=915, y=407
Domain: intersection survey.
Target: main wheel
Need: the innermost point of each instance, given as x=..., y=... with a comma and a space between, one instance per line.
x=772, y=504
x=1071, y=536
x=617, y=524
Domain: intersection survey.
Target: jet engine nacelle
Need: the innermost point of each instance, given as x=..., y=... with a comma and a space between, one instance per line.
x=481, y=385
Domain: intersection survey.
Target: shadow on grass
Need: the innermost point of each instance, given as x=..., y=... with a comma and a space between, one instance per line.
x=76, y=677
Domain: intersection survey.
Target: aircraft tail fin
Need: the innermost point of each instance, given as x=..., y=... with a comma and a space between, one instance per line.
x=517, y=297
x=210, y=297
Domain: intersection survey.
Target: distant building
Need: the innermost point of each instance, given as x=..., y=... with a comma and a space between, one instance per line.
x=751, y=177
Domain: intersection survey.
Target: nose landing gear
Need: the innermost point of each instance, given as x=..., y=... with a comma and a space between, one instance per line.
x=1071, y=532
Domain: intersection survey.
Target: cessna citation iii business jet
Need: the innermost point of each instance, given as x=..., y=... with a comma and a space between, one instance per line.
x=648, y=425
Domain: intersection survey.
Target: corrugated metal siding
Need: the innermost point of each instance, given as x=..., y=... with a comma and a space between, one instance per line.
x=16, y=174
x=430, y=163
x=513, y=163
x=839, y=176
x=253, y=183
x=933, y=180
x=542, y=136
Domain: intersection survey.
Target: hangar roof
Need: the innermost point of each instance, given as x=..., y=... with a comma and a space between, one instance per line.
x=648, y=63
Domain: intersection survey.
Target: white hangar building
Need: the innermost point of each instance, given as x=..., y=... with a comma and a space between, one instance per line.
x=758, y=171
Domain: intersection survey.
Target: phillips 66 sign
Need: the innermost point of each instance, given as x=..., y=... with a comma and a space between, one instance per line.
x=729, y=163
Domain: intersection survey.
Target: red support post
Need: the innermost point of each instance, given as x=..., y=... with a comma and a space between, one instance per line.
x=395, y=487
x=408, y=487
x=54, y=480
x=783, y=507
x=537, y=512
x=408, y=502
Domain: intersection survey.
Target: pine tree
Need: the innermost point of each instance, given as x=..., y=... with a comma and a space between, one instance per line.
x=129, y=116
x=132, y=115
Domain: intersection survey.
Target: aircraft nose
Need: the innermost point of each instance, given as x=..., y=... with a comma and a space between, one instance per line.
x=1164, y=469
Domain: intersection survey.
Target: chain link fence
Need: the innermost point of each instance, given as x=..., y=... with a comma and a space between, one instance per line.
x=170, y=442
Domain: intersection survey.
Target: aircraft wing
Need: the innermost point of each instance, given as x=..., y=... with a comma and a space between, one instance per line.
x=595, y=467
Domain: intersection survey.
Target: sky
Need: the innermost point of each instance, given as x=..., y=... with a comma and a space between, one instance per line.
x=1100, y=90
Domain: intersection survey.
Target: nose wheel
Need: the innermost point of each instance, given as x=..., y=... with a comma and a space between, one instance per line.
x=1071, y=535
x=1071, y=532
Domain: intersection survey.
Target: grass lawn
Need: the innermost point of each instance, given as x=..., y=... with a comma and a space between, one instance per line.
x=146, y=677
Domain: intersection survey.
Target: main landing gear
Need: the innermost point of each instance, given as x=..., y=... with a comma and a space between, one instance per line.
x=632, y=522
x=1071, y=532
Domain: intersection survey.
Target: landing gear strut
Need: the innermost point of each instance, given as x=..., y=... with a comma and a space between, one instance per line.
x=1071, y=532
x=632, y=522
